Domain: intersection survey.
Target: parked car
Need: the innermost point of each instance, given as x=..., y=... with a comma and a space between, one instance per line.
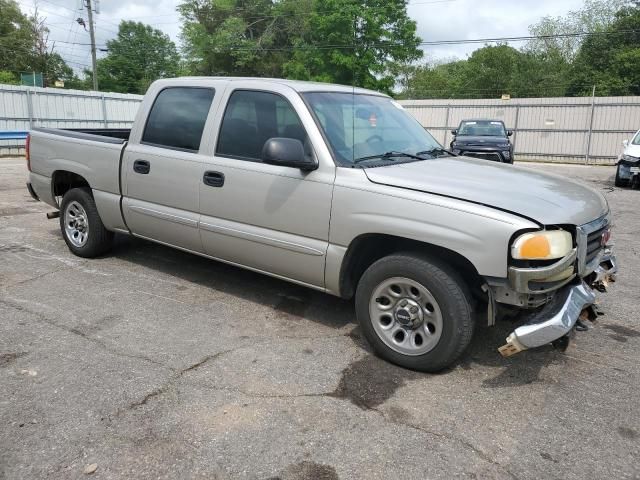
x=485, y=139
x=628, y=170
x=340, y=190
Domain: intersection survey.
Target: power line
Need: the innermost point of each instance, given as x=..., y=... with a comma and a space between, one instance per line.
x=242, y=9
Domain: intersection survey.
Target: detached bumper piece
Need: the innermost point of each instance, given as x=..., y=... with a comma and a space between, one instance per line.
x=605, y=273
x=555, y=320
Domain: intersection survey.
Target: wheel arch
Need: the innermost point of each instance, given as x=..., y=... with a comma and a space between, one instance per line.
x=64, y=180
x=367, y=248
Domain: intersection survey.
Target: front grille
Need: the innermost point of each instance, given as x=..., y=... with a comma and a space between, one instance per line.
x=590, y=243
x=495, y=157
x=594, y=244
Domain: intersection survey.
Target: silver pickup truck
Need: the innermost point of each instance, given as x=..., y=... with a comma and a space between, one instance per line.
x=340, y=190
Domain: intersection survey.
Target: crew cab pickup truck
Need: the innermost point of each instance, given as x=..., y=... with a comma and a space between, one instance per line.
x=340, y=190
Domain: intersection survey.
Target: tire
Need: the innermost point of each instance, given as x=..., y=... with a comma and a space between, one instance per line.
x=81, y=226
x=620, y=182
x=444, y=321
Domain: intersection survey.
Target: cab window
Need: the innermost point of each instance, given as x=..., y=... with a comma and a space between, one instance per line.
x=177, y=118
x=251, y=118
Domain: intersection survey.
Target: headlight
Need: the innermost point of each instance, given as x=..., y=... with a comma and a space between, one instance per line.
x=544, y=245
x=629, y=158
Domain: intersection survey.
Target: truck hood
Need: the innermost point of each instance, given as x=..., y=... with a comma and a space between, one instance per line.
x=480, y=141
x=546, y=198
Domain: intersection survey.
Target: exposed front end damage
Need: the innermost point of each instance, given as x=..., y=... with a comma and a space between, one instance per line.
x=562, y=294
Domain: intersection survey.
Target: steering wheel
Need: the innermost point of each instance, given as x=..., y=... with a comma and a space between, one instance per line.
x=372, y=138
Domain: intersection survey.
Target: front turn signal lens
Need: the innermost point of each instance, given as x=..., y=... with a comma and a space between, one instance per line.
x=545, y=245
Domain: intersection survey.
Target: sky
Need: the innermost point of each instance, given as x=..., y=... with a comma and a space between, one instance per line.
x=436, y=20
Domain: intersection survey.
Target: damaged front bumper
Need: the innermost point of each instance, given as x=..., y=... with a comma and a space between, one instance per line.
x=558, y=317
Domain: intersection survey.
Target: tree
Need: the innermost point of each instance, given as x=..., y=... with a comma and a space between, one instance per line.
x=610, y=62
x=232, y=37
x=16, y=39
x=24, y=47
x=341, y=41
x=138, y=55
x=550, y=65
x=487, y=73
x=355, y=44
x=594, y=16
x=8, y=78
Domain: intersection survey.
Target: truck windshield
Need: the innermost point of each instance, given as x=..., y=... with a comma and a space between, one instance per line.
x=482, y=128
x=361, y=128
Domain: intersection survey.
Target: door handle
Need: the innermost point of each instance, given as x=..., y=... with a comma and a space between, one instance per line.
x=141, y=166
x=213, y=179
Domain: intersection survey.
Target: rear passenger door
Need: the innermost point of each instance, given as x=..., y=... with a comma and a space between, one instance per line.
x=271, y=218
x=162, y=167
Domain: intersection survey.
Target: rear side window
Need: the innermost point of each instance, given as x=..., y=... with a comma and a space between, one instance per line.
x=177, y=118
x=251, y=118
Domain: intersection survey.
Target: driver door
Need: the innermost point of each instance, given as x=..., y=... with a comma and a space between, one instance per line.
x=270, y=218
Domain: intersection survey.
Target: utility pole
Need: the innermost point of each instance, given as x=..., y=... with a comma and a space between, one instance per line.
x=93, y=43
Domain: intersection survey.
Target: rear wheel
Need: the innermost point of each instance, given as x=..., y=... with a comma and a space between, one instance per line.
x=82, y=228
x=415, y=312
x=620, y=182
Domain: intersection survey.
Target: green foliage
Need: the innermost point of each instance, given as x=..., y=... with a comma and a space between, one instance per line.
x=354, y=44
x=17, y=38
x=339, y=41
x=231, y=37
x=8, y=78
x=23, y=48
x=594, y=16
x=138, y=55
x=610, y=62
x=547, y=66
x=488, y=73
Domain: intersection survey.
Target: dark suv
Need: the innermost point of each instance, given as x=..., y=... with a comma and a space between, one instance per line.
x=486, y=139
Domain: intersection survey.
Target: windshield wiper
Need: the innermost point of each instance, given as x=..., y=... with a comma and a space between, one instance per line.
x=387, y=156
x=435, y=151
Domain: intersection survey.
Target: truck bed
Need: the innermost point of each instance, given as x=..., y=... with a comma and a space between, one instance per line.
x=105, y=135
x=93, y=154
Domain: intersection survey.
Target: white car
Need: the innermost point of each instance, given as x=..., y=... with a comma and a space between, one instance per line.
x=628, y=172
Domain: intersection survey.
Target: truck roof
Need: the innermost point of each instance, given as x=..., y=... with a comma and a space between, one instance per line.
x=297, y=85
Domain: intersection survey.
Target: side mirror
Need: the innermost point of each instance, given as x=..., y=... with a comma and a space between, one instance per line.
x=625, y=143
x=509, y=133
x=287, y=152
x=454, y=132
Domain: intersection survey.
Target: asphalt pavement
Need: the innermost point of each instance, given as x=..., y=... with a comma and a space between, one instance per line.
x=153, y=363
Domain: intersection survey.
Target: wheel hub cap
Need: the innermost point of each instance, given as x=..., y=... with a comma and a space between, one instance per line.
x=406, y=316
x=76, y=224
x=408, y=313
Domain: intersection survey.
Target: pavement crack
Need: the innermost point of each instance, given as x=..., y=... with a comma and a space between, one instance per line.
x=206, y=359
x=249, y=394
x=466, y=444
x=164, y=388
x=76, y=331
x=38, y=277
x=154, y=393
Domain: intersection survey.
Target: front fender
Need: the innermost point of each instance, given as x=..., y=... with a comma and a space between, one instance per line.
x=478, y=233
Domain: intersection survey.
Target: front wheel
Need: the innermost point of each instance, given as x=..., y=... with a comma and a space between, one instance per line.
x=415, y=312
x=82, y=228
